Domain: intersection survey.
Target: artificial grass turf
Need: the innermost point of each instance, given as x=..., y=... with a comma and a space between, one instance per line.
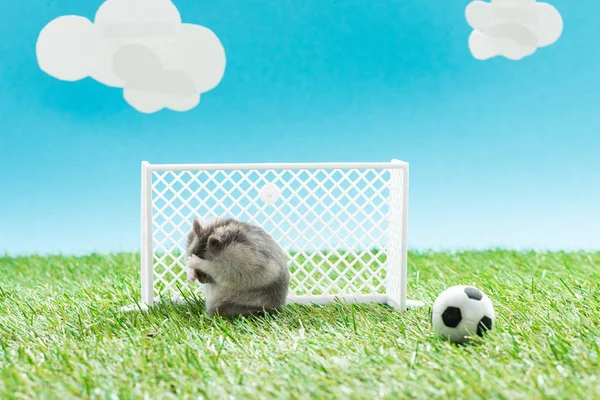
x=62, y=336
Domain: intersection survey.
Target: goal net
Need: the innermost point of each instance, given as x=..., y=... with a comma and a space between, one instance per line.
x=343, y=226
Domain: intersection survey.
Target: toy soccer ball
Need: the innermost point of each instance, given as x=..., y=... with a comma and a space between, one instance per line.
x=460, y=312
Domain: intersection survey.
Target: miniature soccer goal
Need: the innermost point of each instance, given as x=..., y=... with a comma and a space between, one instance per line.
x=343, y=226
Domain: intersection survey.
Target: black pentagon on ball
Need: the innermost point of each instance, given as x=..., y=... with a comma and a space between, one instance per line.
x=451, y=317
x=485, y=324
x=473, y=293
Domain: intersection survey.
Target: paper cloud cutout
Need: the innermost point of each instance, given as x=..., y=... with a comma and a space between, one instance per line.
x=513, y=29
x=140, y=46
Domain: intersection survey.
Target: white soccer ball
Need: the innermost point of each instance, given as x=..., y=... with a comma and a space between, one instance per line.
x=461, y=312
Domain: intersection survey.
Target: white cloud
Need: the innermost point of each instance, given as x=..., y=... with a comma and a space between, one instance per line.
x=140, y=46
x=511, y=28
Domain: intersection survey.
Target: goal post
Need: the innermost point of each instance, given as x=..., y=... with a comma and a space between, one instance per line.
x=343, y=226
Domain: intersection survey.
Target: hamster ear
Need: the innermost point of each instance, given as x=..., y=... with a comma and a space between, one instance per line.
x=196, y=226
x=214, y=242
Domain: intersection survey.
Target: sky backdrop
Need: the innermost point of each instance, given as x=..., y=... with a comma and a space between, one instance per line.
x=502, y=153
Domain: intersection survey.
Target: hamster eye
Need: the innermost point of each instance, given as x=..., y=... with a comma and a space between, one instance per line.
x=201, y=249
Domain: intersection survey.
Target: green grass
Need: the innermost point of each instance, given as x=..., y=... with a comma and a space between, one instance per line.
x=61, y=336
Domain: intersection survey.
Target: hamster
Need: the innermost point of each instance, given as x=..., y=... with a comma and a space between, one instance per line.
x=244, y=270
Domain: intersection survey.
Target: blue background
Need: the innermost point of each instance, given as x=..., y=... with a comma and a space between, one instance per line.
x=502, y=153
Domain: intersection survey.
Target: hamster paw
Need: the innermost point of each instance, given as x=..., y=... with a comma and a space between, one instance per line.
x=193, y=260
x=191, y=275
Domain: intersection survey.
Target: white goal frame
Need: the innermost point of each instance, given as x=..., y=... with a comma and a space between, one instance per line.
x=320, y=182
